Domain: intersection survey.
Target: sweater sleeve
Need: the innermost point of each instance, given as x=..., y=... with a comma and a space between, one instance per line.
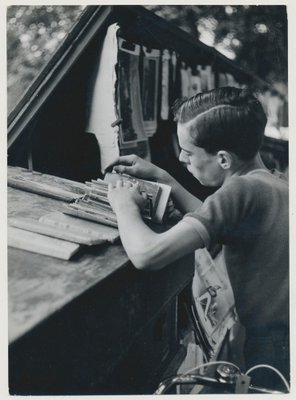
x=222, y=216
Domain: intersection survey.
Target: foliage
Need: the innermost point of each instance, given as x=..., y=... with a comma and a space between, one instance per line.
x=33, y=34
x=255, y=36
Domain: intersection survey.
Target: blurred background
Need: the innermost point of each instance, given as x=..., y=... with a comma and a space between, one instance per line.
x=254, y=37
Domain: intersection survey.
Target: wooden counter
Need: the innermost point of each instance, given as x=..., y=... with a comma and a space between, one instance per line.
x=91, y=325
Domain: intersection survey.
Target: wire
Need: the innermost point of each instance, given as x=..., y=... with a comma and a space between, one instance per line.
x=211, y=363
x=273, y=369
x=235, y=366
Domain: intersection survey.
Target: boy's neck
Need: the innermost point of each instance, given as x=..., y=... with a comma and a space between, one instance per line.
x=243, y=167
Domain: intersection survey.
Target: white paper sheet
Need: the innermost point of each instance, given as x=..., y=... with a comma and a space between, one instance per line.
x=103, y=110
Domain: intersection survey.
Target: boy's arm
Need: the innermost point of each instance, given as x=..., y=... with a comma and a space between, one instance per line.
x=152, y=251
x=146, y=249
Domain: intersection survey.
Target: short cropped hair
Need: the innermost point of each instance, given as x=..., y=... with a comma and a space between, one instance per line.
x=226, y=118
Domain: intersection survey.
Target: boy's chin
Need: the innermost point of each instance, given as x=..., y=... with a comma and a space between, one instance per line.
x=196, y=176
x=201, y=181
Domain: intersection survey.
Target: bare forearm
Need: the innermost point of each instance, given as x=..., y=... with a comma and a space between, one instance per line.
x=137, y=238
x=152, y=251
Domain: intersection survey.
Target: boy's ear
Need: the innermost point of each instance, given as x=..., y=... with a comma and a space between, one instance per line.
x=224, y=159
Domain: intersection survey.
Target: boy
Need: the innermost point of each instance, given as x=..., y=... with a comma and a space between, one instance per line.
x=220, y=133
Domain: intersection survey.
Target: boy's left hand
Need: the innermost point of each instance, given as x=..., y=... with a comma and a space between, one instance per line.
x=125, y=194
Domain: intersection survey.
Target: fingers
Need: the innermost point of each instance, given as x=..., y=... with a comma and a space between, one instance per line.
x=130, y=159
x=122, y=160
x=122, y=169
x=122, y=184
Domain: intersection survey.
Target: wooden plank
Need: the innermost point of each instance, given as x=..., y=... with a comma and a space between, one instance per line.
x=45, y=185
x=93, y=232
x=65, y=227
x=36, y=243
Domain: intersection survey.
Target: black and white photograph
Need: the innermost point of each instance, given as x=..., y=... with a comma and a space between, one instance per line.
x=148, y=212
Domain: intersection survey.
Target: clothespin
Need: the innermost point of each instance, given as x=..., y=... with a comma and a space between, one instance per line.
x=117, y=122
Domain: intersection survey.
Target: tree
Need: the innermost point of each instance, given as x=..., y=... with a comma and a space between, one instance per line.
x=33, y=34
x=254, y=36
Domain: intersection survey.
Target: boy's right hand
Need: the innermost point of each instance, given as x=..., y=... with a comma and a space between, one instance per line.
x=135, y=166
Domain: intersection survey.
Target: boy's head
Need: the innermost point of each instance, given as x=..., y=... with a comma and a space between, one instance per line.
x=221, y=122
